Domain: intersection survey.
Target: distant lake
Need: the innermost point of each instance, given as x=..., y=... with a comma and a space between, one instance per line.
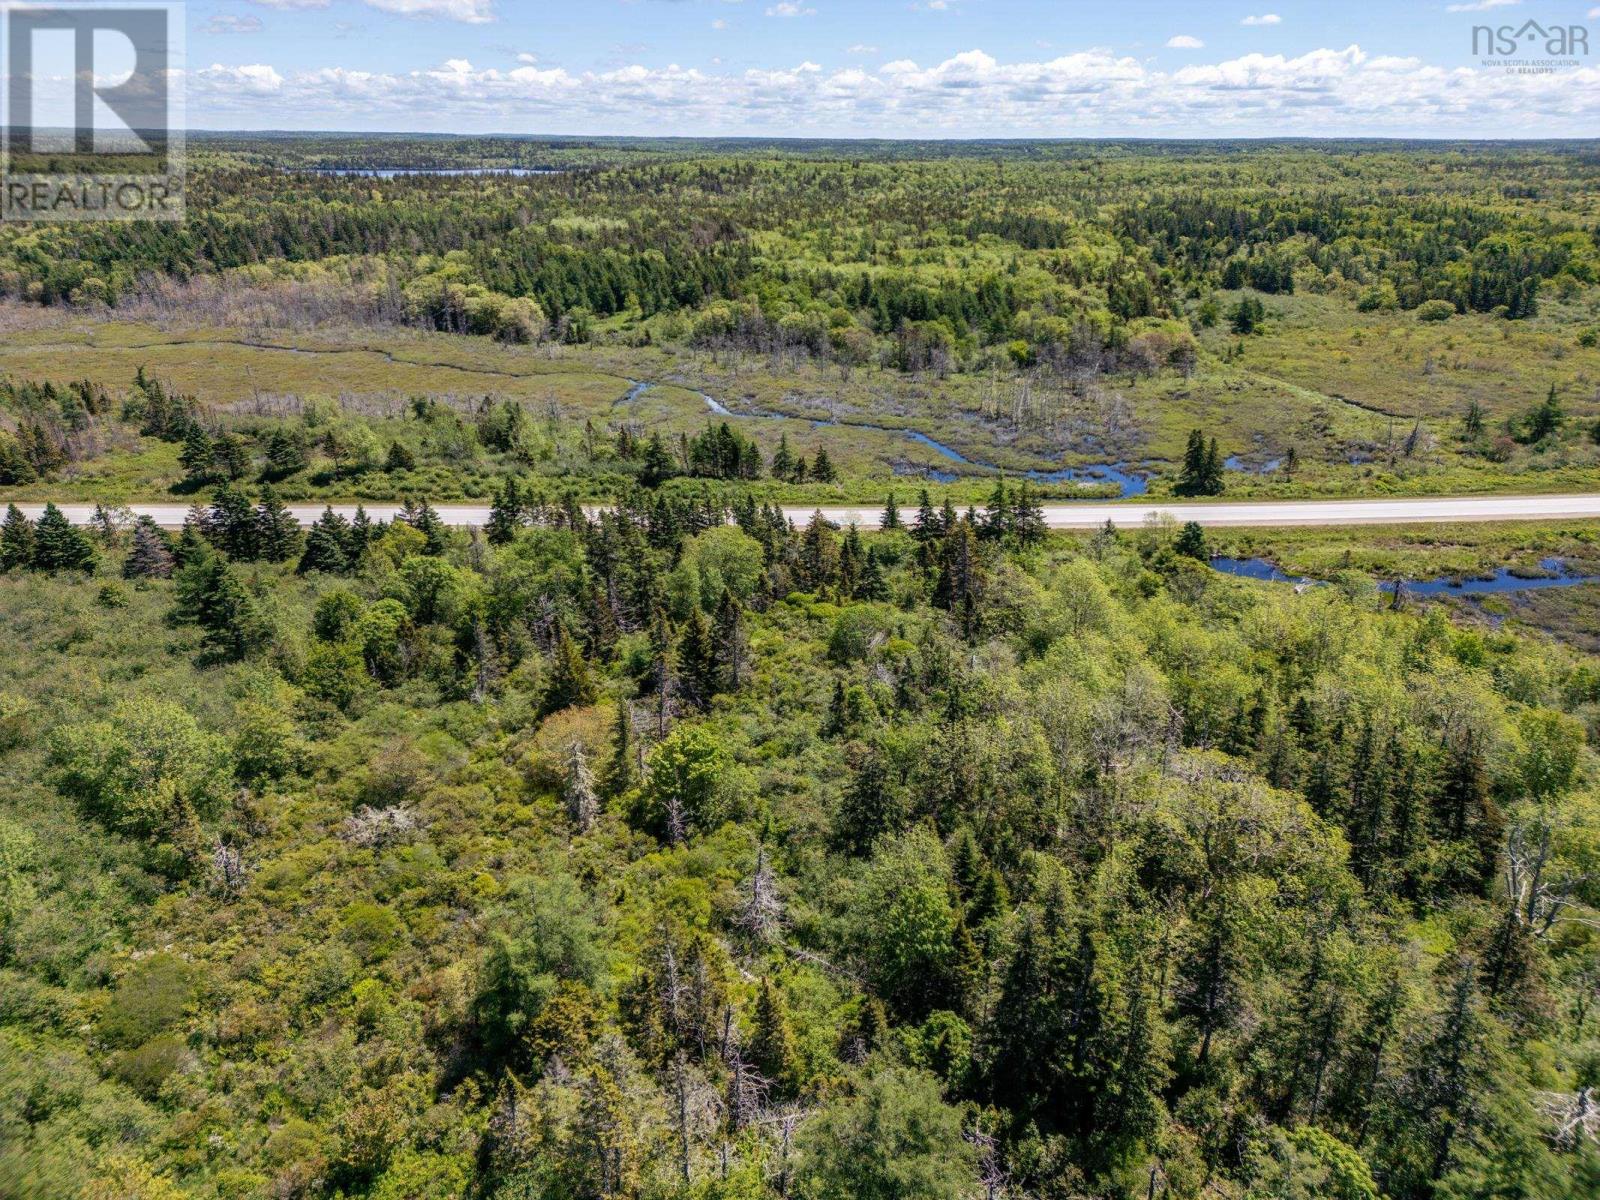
x=391, y=172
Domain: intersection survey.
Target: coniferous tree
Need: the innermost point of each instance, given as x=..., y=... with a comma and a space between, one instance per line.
x=818, y=565
x=285, y=455
x=1027, y=517
x=771, y=1048
x=506, y=514
x=399, y=458
x=327, y=545
x=731, y=641
x=891, y=514
x=822, y=467
x=658, y=466
x=58, y=545
x=782, y=459
x=570, y=683
x=230, y=457
x=622, y=773
x=361, y=536
x=196, y=456
x=426, y=522
x=1191, y=541
x=150, y=555
x=231, y=524
x=960, y=584
x=852, y=561
x=873, y=586
x=211, y=596
x=16, y=540
x=997, y=516
x=926, y=527
x=697, y=660
x=277, y=532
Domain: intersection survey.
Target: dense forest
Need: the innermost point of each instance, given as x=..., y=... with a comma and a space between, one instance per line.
x=1042, y=252
x=648, y=842
x=679, y=851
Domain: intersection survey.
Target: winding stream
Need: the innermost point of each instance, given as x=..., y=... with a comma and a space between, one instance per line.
x=1504, y=579
x=1128, y=484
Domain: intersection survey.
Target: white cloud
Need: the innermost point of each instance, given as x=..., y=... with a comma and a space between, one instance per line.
x=719, y=23
x=1184, y=42
x=1263, y=19
x=229, y=23
x=473, y=12
x=1342, y=92
x=788, y=8
x=527, y=59
x=1594, y=13
x=255, y=79
x=1482, y=5
x=861, y=49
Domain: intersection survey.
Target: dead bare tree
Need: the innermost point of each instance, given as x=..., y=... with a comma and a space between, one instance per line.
x=1539, y=892
x=761, y=915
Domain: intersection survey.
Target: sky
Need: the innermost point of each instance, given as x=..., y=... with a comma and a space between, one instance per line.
x=888, y=68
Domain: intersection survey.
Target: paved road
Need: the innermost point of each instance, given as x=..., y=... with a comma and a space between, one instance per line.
x=1081, y=515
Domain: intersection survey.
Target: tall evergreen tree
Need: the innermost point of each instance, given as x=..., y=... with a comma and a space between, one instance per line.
x=16, y=540
x=771, y=1048
x=570, y=683
x=150, y=555
x=327, y=545
x=231, y=524
x=277, y=532
x=891, y=514
x=697, y=660
x=622, y=773
x=58, y=545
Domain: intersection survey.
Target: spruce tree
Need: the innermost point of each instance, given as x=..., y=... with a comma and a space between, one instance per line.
x=16, y=540
x=1191, y=541
x=732, y=643
x=399, y=458
x=196, y=456
x=570, y=683
x=782, y=459
x=327, y=546
x=852, y=561
x=231, y=524
x=1215, y=480
x=229, y=455
x=150, y=556
x=822, y=468
x=505, y=514
x=59, y=546
x=361, y=536
x=772, y=1048
x=277, y=532
x=891, y=514
x=697, y=660
x=622, y=773
x=873, y=586
x=426, y=522
x=1191, y=480
x=926, y=527
x=997, y=517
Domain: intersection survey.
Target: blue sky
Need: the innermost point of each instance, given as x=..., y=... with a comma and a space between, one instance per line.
x=894, y=68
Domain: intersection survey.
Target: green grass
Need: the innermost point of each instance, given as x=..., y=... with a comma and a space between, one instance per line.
x=1314, y=380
